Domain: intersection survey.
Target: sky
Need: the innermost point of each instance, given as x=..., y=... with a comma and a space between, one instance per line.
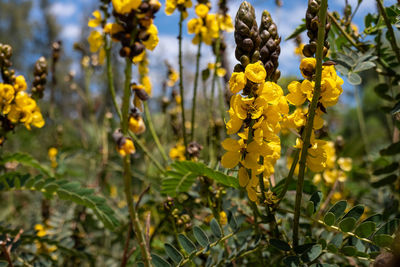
x=71, y=15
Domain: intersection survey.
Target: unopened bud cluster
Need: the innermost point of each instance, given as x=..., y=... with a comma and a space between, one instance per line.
x=40, y=77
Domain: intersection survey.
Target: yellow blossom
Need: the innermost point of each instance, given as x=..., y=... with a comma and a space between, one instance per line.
x=152, y=42
x=20, y=83
x=177, y=152
x=225, y=22
x=202, y=10
x=255, y=72
x=237, y=82
x=125, y=6
x=126, y=148
x=95, y=40
x=234, y=150
x=345, y=164
x=307, y=67
x=93, y=23
x=223, y=218
x=136, y=125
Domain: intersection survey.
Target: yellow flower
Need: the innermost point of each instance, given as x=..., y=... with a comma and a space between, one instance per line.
x=299, y=50
x=330, y=154
x=126, y=148
x=152, y=42
x=20, y=83
x=223, y=218
x=345, y=164
x=234, y=150
x=136, y=125
x=271, y=92
x=177, y=152
x=173, y=77
x=202, y=10
x=307, y=67
x=170, y=6
x=52, y=152
x=125, y=6
x=295, y=96
x=41, y=231
x=95, y=40
x=237, y=82
x=255, y=72
x=147, y=84
x=194, y=25
x=6, y=94
x=113, y=28
x=225, y=22
x=93, y=23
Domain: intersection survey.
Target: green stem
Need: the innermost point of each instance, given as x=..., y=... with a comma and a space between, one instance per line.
x=127, y=169
x=111, y=87
x=153, y=132
x=392, y=38
x=196, y=78
x=345, y=34
x=290, y=175
x=110, y=76
x=310, y=120
x=181, y=90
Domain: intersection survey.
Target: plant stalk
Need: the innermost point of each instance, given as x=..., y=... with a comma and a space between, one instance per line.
x=196, y=78
x=127, y=169
x=181, y=90
x=310, y=120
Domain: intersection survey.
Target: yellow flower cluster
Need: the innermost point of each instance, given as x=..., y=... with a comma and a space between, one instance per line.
x=18, y=106
x=207, y=27
x=299, y=93
x=126, y=148
x=41, y=231
x=177, y=152
x=173, y=77
x=181, y=5
x=125, y=6
x=136, y=124
x=259, y=115
x=332, y=172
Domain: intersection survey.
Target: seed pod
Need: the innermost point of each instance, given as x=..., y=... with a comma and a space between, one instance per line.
x=312, y=22
x=246, y=35
x=269, y=48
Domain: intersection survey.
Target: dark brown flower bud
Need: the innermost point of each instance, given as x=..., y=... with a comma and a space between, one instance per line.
x=270, y=46
x=194, y=149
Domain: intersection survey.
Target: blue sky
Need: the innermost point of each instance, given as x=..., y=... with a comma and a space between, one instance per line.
x=73, y=14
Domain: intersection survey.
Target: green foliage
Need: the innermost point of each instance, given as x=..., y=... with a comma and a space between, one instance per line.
x=65, y=190
x=184, y=173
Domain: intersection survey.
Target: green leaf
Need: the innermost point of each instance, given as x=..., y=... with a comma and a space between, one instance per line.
x=291, y=261
x=347, y=224
x=337, y=240
x=329, y=218
x=389, y=228
x=232, y=221
x=65, y=190
x=186, y=243
x=349, y=250
x=184, y=173
x=308, y=188
x=280, y=244
x=338, y=208
x=342, y=69
x=387, y=169
x=26, y=160
x=388, y=180
x=381, y=90
x=396, y=109
x=173, y=253
x=312, y=253
x=354, y=78
x=316, y=198
x=365, y=229
x=356, y=212
x=201, y=236
x=299, y=29
x=364, y=66
x=391, y=150
x=383, y=240
x=215, y=228
x=158, y=261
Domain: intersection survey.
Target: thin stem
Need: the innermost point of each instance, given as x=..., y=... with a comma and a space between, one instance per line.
x=392, y=38
x=361, y=121
x=194, y=100
x=110, y=76
x=290, y=175
x=310, y=119
x=355, y=11
x=127, y=169
x=182, y=263
x=181, y=90
x=345, y=34
x=153, y=132
x=111, y=87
